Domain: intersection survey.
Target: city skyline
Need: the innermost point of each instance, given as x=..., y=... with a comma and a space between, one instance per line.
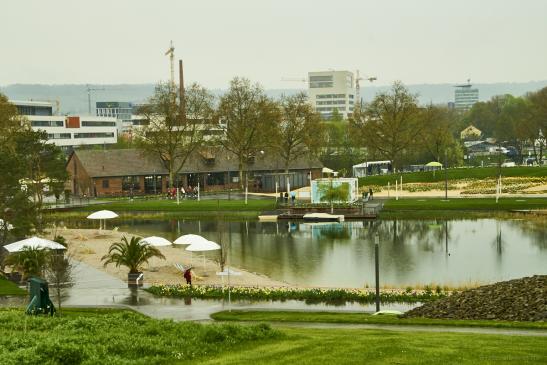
x=419, y=42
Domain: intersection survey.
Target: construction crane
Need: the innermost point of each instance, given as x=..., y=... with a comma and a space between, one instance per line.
x=89, y=90
x=358, y=87
x=171, y=53
x=297, y=79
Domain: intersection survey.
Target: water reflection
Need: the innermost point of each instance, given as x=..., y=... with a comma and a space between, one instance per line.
x=342, y=254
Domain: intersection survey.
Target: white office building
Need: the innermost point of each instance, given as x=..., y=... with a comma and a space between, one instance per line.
x=68, y=131
x=330, y=90
x=465, y=96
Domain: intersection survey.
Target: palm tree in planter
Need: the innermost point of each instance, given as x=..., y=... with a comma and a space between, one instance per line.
x=133, y=254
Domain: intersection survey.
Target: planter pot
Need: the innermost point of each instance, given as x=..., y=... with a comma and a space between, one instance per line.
x=132, y=280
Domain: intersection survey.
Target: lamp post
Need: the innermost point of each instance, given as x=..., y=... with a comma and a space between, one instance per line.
x=542, y=142
x=445, y=178
x=377, y=269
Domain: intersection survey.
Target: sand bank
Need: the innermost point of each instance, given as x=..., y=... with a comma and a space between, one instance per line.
x=89, y=245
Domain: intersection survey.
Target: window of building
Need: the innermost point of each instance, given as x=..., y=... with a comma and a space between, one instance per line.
x=58, y=136
x=131, y=183
x=47, y=123
x=321, y=81
x=330, y=96
x=106, y=184
x=93, y=135
x=152, y=184
x=98, y=124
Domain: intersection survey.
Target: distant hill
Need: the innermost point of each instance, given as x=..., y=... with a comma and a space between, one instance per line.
x=73, y=98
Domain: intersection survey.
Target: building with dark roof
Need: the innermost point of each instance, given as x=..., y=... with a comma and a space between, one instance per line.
x=129, y=172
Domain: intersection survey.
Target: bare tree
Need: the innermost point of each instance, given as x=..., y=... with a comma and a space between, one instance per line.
x=59, y=274
x=390, y=124
x=175, y=130
x=250, y=117
x=299, y=131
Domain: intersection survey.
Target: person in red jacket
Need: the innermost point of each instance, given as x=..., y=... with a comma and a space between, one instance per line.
x=188, y=276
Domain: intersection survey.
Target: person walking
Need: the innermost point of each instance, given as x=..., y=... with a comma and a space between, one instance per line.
x=188, y=276
x=370, y=193
x=293, y=197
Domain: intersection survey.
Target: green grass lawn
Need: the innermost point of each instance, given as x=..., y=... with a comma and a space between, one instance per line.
x=455, y=174
x=165, y=205
x=112, y=336
x=9, y=288
x=116, y=337
x=355, y=346
x=465, y=204
x=362, y=318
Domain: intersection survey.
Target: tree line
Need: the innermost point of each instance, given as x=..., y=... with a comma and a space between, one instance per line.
x=244, y=122
x=392, y=126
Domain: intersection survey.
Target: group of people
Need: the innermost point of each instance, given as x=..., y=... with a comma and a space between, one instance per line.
x=285, y=197
x=189, y=192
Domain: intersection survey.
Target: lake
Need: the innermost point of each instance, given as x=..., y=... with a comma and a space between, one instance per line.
x=446, y=252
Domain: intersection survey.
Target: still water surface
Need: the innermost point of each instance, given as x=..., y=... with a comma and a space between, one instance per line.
x=452, y=252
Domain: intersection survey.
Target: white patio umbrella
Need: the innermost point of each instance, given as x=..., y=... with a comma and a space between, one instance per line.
x=190, y=239
x=5, y=225
x=203, y=246
x=34, y=242
x=155, y=241
x=102, y=215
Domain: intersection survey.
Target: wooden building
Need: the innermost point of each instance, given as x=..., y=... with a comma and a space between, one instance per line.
x=129, y=172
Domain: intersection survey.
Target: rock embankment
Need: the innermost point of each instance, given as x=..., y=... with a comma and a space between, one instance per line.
x=522, y=299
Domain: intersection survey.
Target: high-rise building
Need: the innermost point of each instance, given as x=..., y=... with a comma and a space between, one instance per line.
x=332, y=90
x=465, y=96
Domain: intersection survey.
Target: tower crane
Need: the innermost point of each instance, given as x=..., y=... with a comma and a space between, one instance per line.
x=358, y=87
x=297, y=79
x=89, y=90
x=171, y=53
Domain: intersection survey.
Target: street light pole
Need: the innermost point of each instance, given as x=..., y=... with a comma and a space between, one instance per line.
x=445, y=178
x=377, y=269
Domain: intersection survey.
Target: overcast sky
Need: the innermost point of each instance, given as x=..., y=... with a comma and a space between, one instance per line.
x=418, y=41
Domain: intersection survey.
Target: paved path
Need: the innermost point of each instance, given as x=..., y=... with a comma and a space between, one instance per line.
x=413, y=328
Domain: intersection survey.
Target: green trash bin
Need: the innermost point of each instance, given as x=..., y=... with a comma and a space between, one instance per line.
x=39, y=298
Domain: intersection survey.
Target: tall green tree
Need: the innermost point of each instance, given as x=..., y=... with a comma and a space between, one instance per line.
x=299, y=132
x=438, y=141
x=175, y=129
x=44, y=163
x=33, y=169
x=390, y=125
x=250, y=118
x=336, y=116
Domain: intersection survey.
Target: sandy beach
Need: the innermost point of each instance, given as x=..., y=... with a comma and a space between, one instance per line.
x=89, y=245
